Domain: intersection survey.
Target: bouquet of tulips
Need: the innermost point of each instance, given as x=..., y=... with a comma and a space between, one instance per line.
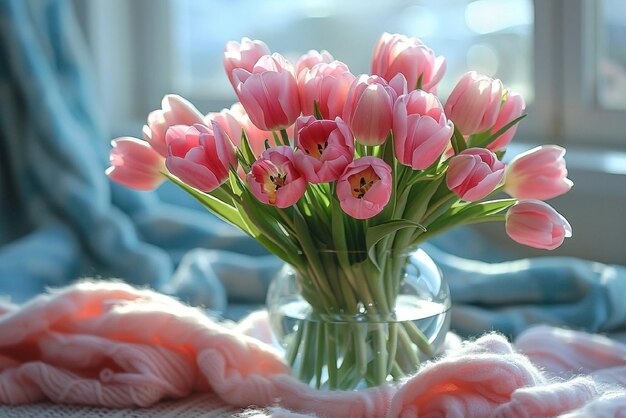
x=332, y=172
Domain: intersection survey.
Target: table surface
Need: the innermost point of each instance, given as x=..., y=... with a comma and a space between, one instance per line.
x=197, y=405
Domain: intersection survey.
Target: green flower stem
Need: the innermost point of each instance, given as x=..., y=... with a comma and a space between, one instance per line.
x=328, y=275
x=407, y=347
x=294, y=346
x=418, y=337
x=380, y=354
x=330, y=339
x=347, y=368
x=396, y=371
x=319, y=352
x=284, y=136
x=306, y=369
x=350, y=298
x=360, y=349
x=363, y=289
x=392, y=345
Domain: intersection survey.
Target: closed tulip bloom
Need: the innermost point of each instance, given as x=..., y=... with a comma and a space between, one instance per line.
x=512, y=109
x=421, y=131
x=269, y=93
x=364, y=188
x=400, y=54
x=311, y=58
x=539, y=173
x=536, y=224
x=474, y=173
x=201, y=156
x=175, y=110
x=243, y=55
x=233, y=121
x=474, y=103
x=326, y=84
x=273, y=178
x=325, y=148
x=135, y=164
x=369, y=107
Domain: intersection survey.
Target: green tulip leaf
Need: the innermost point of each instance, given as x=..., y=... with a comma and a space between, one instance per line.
x=483, y=142
x=222, y=209
x=376, y=233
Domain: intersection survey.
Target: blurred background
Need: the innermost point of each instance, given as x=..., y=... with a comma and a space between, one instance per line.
x=566, y=57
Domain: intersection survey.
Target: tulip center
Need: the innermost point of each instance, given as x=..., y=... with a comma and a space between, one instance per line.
x=317, y=150
x=278, y=180
x=362, y=182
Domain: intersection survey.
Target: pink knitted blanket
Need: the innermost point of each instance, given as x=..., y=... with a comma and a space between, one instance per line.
x=113, y=345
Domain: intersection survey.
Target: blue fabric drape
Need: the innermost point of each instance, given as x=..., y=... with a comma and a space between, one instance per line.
x=62, y=219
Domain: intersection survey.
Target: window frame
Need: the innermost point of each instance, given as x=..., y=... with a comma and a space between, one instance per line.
x=585, y=122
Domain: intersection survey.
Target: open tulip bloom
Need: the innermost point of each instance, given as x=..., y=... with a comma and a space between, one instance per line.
x=372, y=166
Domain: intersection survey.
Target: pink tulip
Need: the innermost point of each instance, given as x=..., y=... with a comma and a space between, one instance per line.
x=233, y=121
x=421, y=130
x=325, y=148
x=312, y=58
x=201, y=157
x=273, y=178
x=364, y=188
x=474, y=173
x=369, y=107
x=474, y=103
x=399, y=54
x=243, y=55
x=269, y=93
x=175, y=110
x=326, y=84
x=537, y=224
x=512, y=109
x=539, y=173
x=135, y=164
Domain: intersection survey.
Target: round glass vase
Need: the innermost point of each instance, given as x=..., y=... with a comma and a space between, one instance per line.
x=355, y=322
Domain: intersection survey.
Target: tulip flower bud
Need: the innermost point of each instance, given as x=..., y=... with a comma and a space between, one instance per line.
x=421, y=131
x=474, y=173
x=135, y=164
x=539, y=173
x=326, y=84
x=537, y=224
x=398, y=54
x=269, y=93
x=233, y=121
x=512, y=109
x=175, y=110
x=369, y=107
x=312, y=58
x=243, y=55
x=474, y=103
x=364, y=188
x=201, y=157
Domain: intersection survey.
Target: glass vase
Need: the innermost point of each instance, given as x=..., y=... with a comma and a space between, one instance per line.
x=358, y=321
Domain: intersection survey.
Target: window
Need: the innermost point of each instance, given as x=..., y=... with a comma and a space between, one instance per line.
x=566, y=57
x=611, y=51
x=465, y=33
x=591, y=59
